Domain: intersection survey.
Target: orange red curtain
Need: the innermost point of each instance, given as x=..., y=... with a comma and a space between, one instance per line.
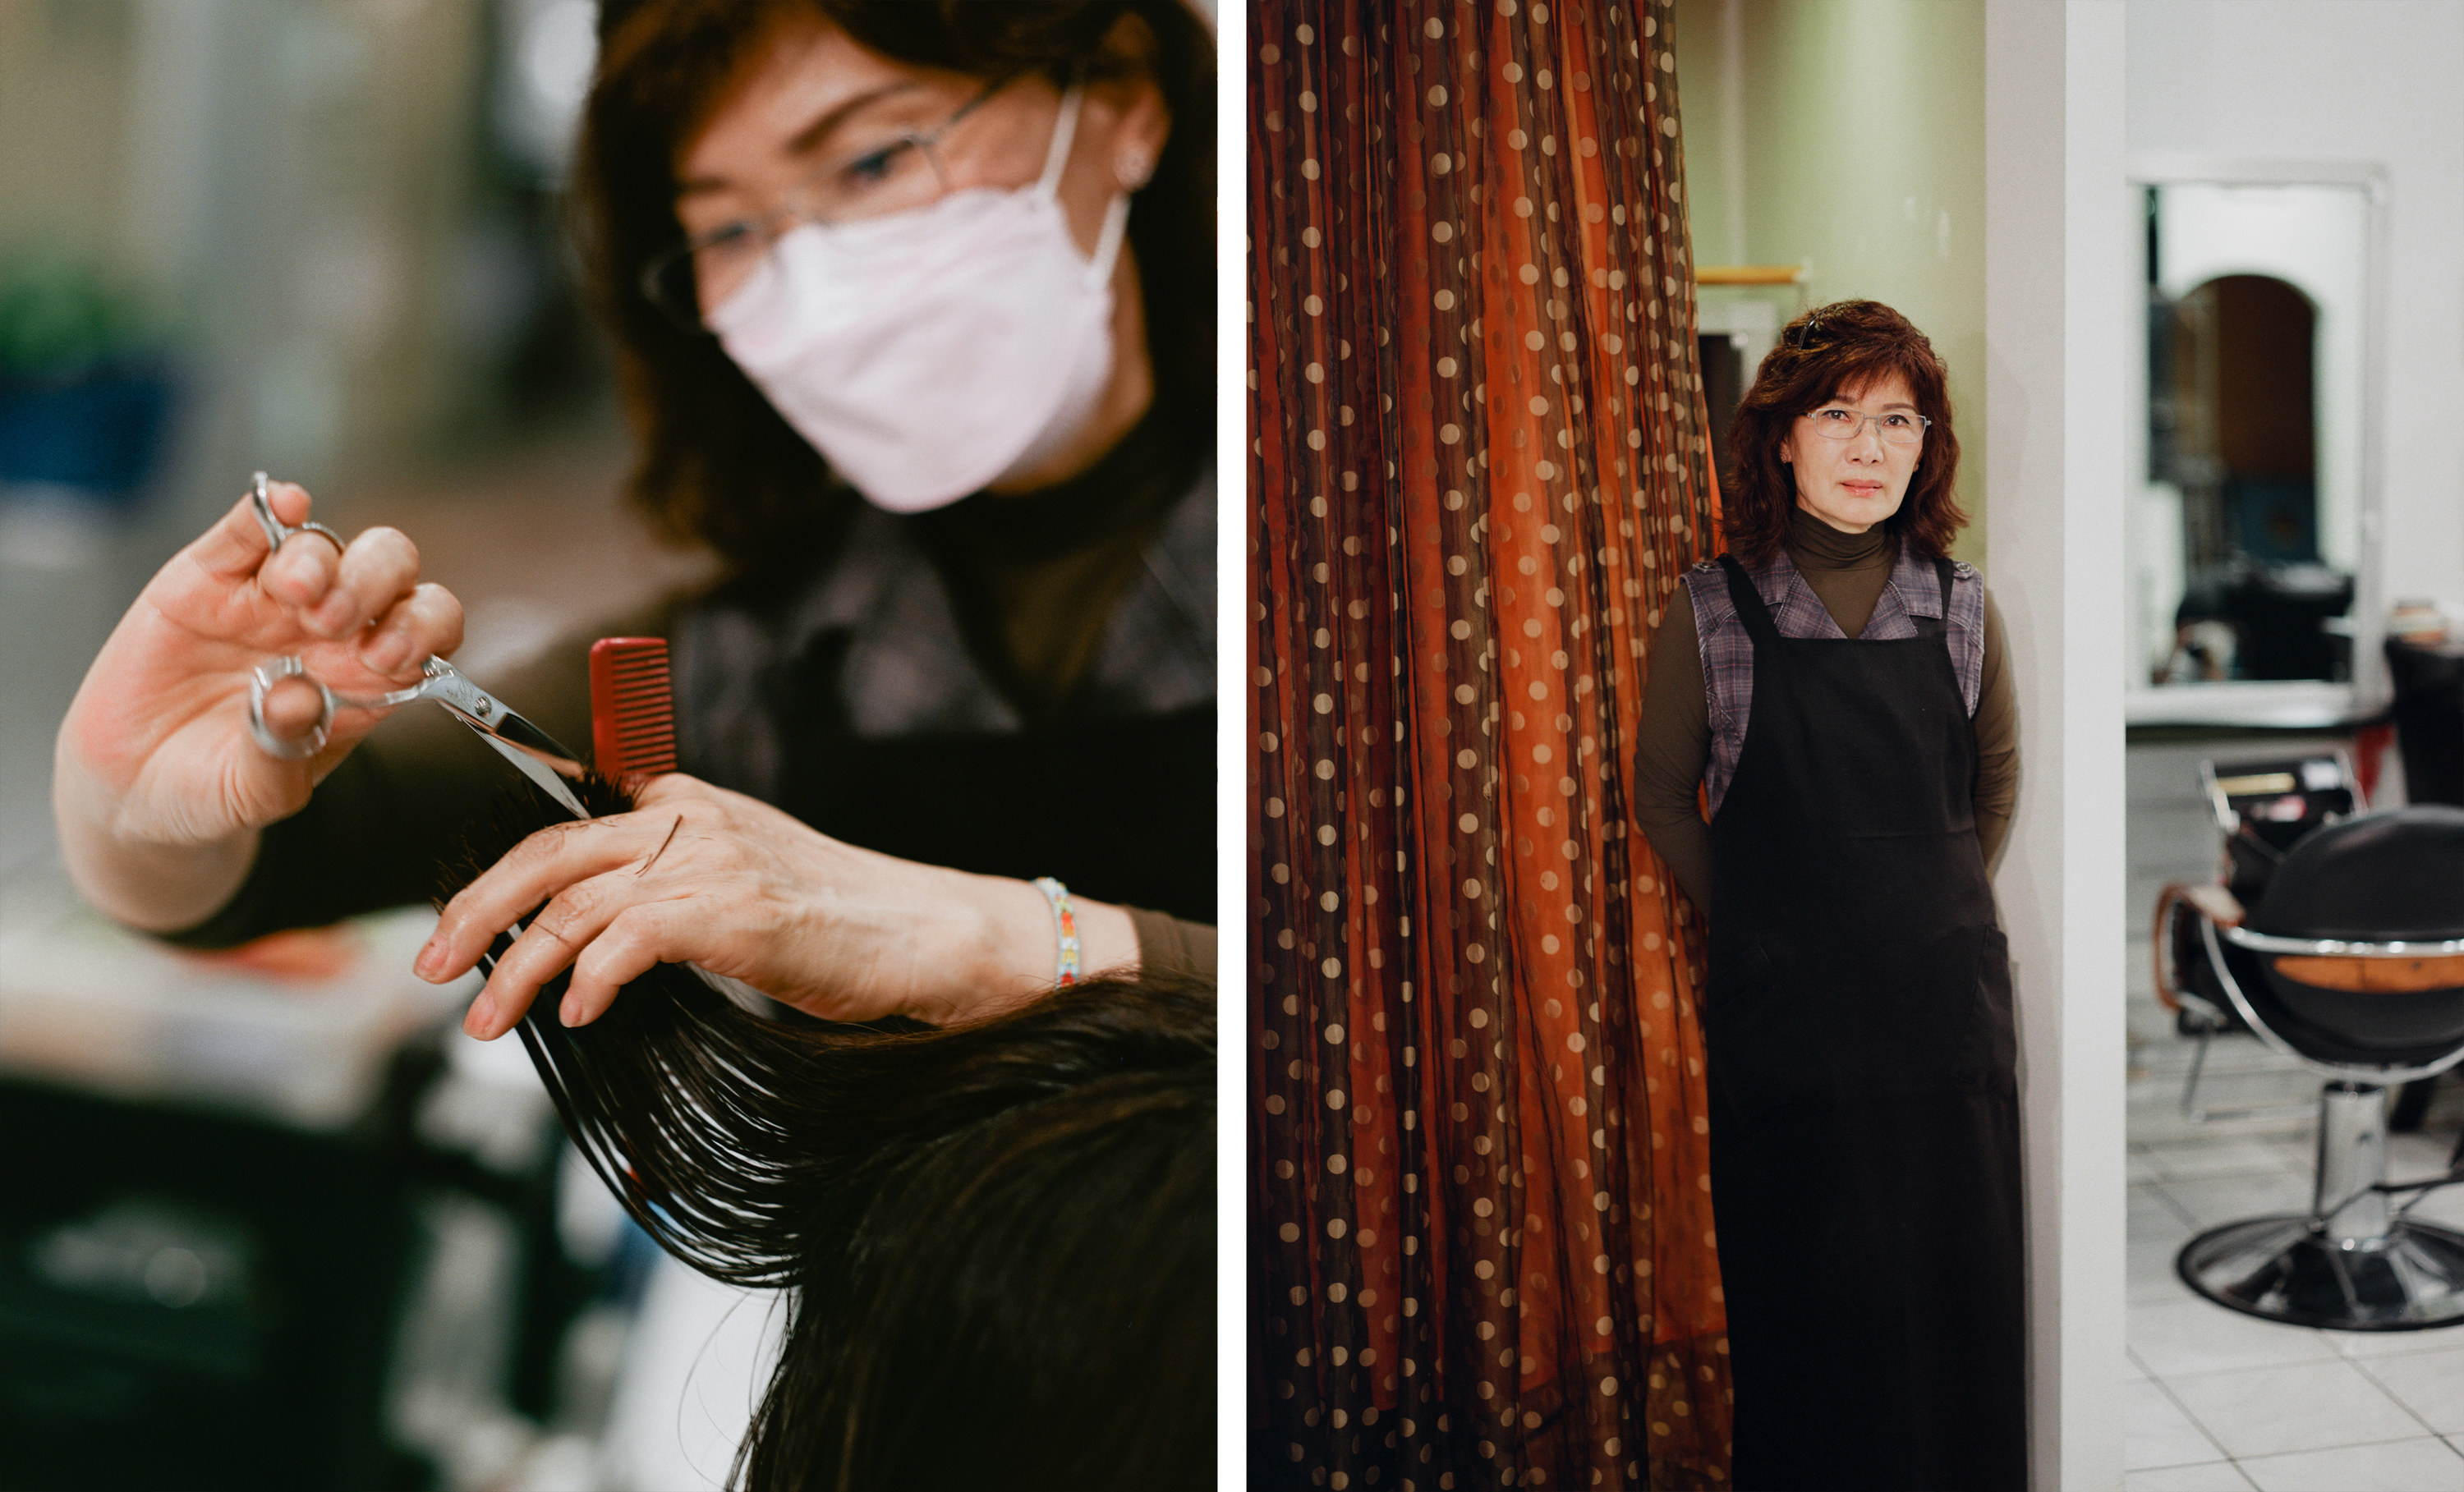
x=1482, y=1246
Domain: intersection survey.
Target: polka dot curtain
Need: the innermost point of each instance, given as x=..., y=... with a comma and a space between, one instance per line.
x=1484, y=1251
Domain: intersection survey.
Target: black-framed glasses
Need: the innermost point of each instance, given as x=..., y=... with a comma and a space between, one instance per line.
x=1899, y=428
x=904, y=172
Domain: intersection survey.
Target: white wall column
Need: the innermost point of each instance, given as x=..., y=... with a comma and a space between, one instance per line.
x=2058, y=336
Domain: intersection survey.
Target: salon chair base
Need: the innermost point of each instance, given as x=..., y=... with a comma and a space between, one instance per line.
x=2290, y=1269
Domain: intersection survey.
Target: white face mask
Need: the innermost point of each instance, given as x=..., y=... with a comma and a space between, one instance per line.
x=929, y=354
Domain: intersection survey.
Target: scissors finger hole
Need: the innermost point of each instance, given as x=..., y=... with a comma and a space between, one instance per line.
x=321, y=532
x=260, y=493
x=281, y=700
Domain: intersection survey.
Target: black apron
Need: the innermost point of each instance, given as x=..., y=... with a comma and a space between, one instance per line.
x=1864, y=1110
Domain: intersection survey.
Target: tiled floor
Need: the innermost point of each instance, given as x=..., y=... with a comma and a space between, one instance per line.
x=2217, y=1400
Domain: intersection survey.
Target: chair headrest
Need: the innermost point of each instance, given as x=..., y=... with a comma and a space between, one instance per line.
x=2398, y=874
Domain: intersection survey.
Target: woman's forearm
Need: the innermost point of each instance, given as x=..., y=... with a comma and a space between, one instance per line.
x=1015, y=947
x=149, y=885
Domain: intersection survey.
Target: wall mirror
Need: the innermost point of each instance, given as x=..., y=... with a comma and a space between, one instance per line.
x=2251, y=590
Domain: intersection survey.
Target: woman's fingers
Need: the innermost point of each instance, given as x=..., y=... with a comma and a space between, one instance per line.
x=378, y=569
x=605, y=915
x=425, y=623
x=635, y=940
x=335, y=592
x=553, y=939
x=293, y=707
x=300, y=574
x=236, y=547
x=531, y=872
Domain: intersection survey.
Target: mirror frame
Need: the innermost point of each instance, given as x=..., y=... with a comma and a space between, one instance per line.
x=2286, y=703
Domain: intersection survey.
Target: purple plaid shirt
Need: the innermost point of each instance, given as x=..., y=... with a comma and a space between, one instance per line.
x=1728, y=653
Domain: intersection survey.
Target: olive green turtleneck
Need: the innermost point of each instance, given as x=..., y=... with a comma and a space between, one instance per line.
x=1847, y=573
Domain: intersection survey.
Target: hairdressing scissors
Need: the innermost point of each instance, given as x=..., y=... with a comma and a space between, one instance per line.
x=539, y=756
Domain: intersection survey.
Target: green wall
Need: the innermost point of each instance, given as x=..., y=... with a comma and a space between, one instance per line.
x=1849, y=135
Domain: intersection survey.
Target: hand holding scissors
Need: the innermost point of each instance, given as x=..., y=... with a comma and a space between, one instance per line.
x=160, y=787
x=539, y=756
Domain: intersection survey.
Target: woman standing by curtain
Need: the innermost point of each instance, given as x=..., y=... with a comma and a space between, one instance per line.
x=1481, y=469
x=1837, y=689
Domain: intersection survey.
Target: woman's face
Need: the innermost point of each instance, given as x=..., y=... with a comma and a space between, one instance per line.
x=805, y=124
x=813, y=101
x=1855, y=483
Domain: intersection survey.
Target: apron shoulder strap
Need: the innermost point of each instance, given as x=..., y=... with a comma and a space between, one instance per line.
x=1748, y=602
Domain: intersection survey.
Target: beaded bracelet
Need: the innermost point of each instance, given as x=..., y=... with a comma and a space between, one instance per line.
x=1064, y=929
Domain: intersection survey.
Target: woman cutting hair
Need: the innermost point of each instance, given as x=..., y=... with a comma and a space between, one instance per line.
x=912, y=308
x=1835, y=692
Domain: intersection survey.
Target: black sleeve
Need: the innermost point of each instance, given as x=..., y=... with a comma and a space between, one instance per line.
x=377, y=832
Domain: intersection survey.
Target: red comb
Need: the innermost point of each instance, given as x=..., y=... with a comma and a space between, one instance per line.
x=632, y=714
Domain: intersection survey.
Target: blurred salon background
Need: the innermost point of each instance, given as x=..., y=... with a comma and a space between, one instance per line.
x=267, y=1219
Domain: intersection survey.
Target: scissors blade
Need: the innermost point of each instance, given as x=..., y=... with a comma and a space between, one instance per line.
x=526, y=758
x=514, y=731
x=537, y=771
x=541, y=757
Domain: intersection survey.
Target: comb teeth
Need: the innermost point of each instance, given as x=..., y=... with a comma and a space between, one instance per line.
x=632, y=710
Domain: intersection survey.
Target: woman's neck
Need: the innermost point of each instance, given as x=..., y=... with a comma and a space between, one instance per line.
x=1814, y=544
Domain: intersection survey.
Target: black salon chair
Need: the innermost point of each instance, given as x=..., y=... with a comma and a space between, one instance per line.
x=2281, y=613
x=2262, y=809
x=2351, y=961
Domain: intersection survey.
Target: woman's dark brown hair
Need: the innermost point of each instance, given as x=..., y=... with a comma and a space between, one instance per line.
x=1824, y=354
x=999, y=1240
x=717, y=463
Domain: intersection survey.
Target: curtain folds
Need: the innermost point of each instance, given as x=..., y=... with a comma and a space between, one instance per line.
x=1482, y=1245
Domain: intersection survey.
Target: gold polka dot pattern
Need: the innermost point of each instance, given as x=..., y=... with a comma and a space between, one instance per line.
x=1483, y=1225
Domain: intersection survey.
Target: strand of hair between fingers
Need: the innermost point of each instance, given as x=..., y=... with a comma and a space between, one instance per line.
x=663, y=845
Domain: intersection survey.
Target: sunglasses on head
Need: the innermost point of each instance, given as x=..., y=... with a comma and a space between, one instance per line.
x=1802, y=336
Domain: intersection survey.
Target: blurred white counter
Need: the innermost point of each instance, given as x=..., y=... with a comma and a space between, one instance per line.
x=297, y=1027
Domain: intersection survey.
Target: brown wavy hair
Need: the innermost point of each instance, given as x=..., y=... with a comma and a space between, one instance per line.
x=716, y=464
x=1824, y=353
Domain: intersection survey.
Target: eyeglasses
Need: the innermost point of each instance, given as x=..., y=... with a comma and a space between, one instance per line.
x=1897, y=429
x=903, y=173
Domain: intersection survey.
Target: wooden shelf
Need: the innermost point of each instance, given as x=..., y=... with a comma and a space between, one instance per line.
x=1750, y=274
